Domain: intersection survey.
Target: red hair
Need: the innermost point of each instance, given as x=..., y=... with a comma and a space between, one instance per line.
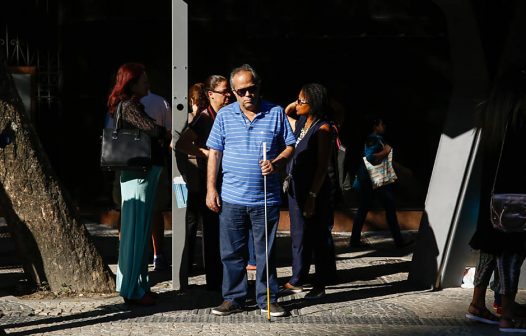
x=197, y=94
x=127, y=75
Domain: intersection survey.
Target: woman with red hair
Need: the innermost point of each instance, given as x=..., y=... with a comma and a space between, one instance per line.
x=138, y=188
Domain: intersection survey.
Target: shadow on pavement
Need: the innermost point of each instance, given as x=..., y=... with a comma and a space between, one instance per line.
x=357, y=292
x=193, y=298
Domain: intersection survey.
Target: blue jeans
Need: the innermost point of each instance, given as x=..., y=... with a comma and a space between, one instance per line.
x=251, y=253
x=234, y=223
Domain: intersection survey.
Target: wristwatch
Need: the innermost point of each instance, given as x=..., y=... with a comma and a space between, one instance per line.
x=312, y=194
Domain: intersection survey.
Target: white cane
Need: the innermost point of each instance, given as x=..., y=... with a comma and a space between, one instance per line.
x=266, y=231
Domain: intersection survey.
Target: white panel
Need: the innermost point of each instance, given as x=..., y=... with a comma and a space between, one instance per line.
x=446, y=183
x=442, y=250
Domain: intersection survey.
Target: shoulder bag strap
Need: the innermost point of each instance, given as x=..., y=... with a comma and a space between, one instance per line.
x=500, y=157
x=118, y=122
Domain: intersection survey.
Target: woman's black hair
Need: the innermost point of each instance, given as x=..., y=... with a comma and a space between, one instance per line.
x=503, y=106
x=213, y=81
x=318, y=99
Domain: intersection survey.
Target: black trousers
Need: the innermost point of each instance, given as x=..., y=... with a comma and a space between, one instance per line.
x=366, y=194
x=312, y=237
x=196, y=212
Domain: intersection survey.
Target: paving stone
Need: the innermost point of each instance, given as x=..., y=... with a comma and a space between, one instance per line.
x=371, y=298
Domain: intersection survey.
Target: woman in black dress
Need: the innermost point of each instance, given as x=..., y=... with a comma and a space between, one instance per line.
x=503, y=127
x=309, y=193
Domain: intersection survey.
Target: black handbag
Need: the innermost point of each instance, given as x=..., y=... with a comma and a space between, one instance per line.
x=507, y=211
x=128, y=149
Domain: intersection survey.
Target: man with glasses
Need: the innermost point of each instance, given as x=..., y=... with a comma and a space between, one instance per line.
x=235, y=144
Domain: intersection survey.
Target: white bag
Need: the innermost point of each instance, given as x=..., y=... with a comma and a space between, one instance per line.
x=382, y=173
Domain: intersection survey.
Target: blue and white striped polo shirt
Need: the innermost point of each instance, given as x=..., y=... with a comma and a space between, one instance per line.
x=241, y=142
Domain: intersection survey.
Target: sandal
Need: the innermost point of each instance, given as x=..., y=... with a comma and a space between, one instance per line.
x=516, y=326
x=520, y=310
x=482, y=315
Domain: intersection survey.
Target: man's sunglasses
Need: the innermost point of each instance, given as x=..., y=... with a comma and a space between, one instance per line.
x=242, y=92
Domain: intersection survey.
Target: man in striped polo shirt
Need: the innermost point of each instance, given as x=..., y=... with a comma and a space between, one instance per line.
x=236, y=144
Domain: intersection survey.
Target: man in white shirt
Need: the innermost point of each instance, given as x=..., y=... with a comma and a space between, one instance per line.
x=159, y=109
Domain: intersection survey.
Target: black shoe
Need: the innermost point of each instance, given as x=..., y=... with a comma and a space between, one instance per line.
x=315, y=293
x=404, y=243
x=359, y=245
x=159, y=263
x=226, y=308
x=275, y=310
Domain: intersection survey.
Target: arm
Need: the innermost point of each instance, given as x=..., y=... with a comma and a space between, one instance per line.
x=292, y=123
x=186, y=144
x=133, y=113
x=269, y=167
x=382, y=154
x=213, y=201
x=290, y=110
x=324, y=156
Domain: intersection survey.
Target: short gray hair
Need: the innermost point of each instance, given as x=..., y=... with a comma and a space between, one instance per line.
x=247, y=68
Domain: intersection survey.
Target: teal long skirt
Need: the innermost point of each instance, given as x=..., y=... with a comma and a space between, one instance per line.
x=138, y=190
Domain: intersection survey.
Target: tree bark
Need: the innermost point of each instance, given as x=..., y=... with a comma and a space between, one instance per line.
x=52, y=242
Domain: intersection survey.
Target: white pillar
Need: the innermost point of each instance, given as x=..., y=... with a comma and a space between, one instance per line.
x=179, y=117
x=451, y=207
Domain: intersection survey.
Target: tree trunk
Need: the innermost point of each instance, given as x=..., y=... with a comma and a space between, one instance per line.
x=54, y=245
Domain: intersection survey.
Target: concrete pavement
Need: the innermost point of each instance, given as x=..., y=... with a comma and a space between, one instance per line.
x=371, y=297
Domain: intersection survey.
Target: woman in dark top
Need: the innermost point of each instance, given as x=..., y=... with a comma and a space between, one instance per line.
x=502, y=118
x=375, y=150
x=309, y=193
x=193, y=142
x=138, y=188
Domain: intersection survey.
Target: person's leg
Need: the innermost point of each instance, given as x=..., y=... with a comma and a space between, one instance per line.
x=157, y=233
x=162, y=202
x=331, y=262
x=477, y=310
x=321, y=239
x=494, y=285
x=317, y=239
x=365, y=195
x=211, y=251
x=483, y=272
x=138, y=195
x=509, y=266
x=192, y=218
x=251, y=265
x=388, y=199
x=257, y=217
x=297, y=224
x=233, y=235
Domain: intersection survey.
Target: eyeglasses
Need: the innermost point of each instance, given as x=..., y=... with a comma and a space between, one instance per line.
x=301, y=102
x=224, y=93
x=242, y=92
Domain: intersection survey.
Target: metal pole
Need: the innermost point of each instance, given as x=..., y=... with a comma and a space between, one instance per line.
x=266, y=232
x=179, y=117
